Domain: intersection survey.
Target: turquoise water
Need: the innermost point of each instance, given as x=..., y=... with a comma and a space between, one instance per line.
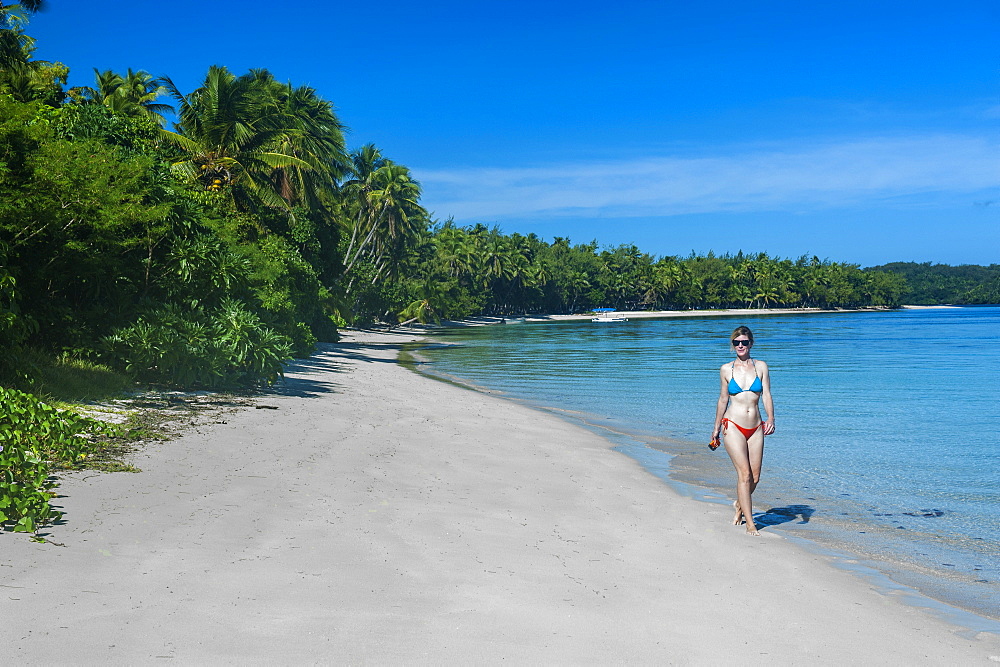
x=887, y=443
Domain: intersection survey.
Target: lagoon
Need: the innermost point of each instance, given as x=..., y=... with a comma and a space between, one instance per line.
x=887, y=446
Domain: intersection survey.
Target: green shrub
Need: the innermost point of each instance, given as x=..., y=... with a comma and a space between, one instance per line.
x=225, y=347
x=291, y=298
x=33, y=438
x=78, y=122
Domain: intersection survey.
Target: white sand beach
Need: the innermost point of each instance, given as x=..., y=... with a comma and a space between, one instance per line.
x=658, y=315
x=722, y=312
x=379, y=517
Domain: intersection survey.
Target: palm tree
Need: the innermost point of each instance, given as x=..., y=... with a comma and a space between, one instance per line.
x=456, y=250
x=397, y=216
x=33, y=6
x=362, y=167
x=425, y=306
x=578, y=284
x=133, y=94
x=233, y=137
x=388, y=214
x=666, y=278
x=15, y=46
x=742, y=276
x=311, y=132
x=20, y=76
x=769, y=281
x=496, y=257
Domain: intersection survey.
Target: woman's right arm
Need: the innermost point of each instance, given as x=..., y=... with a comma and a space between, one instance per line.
x=723, y=403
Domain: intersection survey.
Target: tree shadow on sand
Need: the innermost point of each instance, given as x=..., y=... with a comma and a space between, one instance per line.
x=779, y=515
x=317, y=374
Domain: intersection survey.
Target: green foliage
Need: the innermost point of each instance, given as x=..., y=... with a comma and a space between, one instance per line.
x=373, y=300
x=225, y=347
x=77, y=225
x=15, y=327
x=94, y=121
x=934, y=284
x=456, y=272
x=386, y=218
x=97, y=233
x=34, y=438
x=262, y=143
x=21, y=76
x=201, y=270
x=986, y=293
x=291, y=297
x=132, y=95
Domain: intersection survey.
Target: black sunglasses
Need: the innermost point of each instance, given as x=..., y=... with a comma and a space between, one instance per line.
x=737, y=343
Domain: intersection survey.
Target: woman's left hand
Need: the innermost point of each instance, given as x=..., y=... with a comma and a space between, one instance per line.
x=769, y=427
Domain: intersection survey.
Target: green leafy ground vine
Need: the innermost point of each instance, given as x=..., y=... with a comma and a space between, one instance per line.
x=39, y=441
x=36, y=439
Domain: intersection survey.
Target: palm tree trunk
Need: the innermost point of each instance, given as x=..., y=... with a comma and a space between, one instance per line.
x=364, y=245
x=354, y=232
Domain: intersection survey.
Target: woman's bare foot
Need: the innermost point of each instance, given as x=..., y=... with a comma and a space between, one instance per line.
x=752, y=529
x=738, y=517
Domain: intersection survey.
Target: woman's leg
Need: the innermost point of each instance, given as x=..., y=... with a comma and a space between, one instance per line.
x=747, y=457
x=755, y=448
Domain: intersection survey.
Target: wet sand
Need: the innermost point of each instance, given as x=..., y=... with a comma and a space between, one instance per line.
x=376, y=516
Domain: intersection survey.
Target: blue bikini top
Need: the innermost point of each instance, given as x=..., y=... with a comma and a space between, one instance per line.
x=734, y=387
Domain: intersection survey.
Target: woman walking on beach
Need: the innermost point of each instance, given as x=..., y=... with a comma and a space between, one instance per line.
x=742, y=383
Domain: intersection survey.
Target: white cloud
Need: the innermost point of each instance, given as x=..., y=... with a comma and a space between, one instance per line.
x=869, y=172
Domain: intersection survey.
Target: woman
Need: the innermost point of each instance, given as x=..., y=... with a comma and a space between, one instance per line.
x=742, y=383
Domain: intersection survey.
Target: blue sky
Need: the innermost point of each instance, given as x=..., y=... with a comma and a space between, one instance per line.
x=863, y=132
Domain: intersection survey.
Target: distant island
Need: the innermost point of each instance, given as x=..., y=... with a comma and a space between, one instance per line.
x=930, y=284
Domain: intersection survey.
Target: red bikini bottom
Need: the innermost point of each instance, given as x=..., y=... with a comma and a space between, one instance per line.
x=747, y=432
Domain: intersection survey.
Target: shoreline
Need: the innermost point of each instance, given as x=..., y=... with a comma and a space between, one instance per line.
x=656, y=454
x=377, y=516
x=722, y=312
x=484, y=320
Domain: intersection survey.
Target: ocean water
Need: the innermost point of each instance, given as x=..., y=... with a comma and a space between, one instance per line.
x=887, y=446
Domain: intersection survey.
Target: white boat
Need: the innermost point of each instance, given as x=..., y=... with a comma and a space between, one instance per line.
x=607, y=315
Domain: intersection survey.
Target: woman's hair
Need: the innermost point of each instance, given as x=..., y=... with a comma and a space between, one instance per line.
x=742, y=331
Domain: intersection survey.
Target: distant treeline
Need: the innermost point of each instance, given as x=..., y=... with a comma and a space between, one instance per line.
x=933, y=284
x=461, y=271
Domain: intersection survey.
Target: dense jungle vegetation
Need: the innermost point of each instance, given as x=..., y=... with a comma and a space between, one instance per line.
x=934, y=284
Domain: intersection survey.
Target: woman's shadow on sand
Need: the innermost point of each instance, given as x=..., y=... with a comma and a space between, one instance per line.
x=779, y=515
